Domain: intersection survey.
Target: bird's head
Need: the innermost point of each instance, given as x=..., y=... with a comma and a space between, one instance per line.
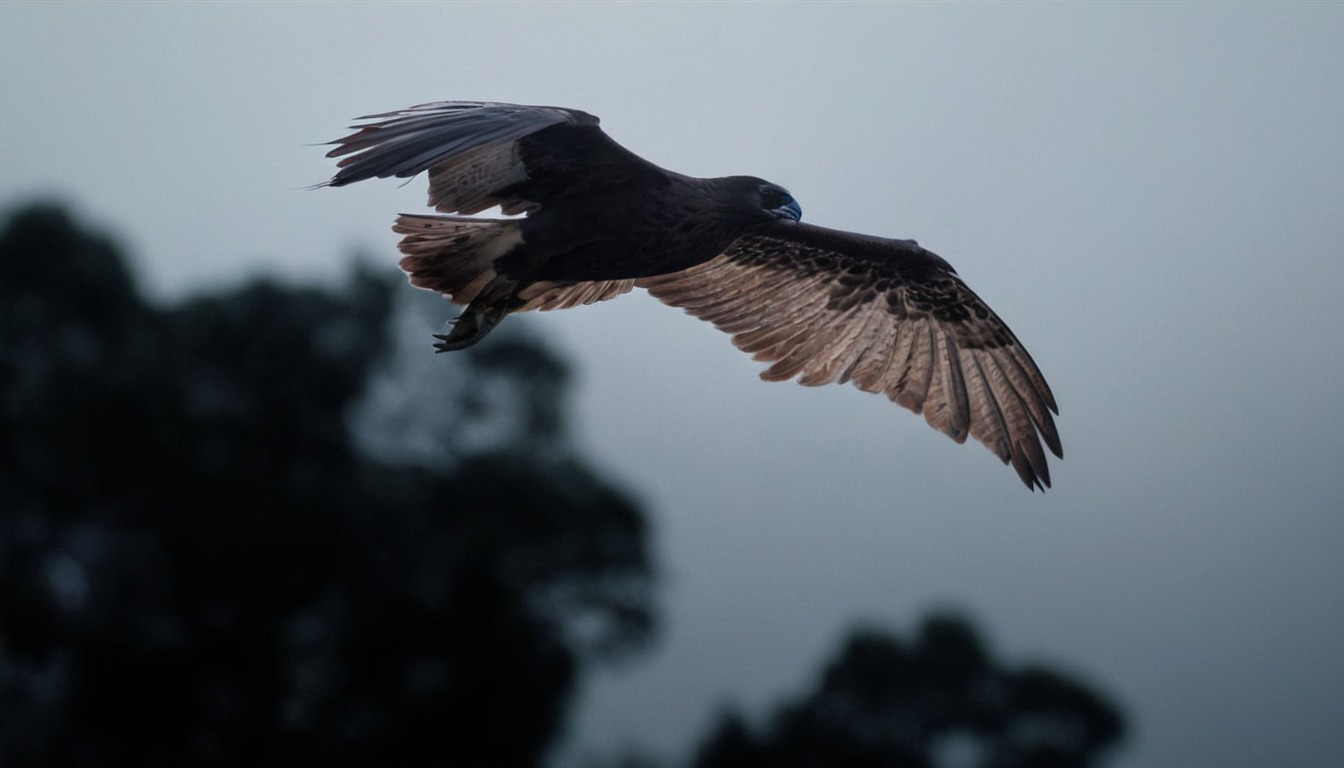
x=762, y=197
x=776, y=201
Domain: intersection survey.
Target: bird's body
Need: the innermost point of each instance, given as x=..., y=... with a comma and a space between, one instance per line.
x=822, y=305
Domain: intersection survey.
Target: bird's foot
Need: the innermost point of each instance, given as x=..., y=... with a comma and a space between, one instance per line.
x=468, y=328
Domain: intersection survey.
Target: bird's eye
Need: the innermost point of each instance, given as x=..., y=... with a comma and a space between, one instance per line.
x=773, y=197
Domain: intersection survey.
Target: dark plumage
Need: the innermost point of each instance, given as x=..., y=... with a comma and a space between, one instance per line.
x=821, y=305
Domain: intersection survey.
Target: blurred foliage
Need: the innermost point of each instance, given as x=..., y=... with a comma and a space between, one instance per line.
x=940, y=700
x=202, y=564
x=266, y=526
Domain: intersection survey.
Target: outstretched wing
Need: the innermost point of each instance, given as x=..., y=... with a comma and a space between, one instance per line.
x=827, y=306
x=483, y=154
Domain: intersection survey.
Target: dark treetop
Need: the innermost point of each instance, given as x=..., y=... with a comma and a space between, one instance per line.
x=821, y=305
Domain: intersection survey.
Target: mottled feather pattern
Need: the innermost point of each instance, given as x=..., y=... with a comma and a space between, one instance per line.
x=471, y=182
x=891, y=322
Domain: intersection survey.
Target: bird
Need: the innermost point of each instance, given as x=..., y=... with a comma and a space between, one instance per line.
x=583, y=219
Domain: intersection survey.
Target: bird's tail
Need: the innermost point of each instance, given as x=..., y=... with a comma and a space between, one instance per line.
x=456, y=256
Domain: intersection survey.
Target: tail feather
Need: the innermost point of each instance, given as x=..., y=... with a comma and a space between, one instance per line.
x=454, y=255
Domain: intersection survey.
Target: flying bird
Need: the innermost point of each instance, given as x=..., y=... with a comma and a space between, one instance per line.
x=821, y=305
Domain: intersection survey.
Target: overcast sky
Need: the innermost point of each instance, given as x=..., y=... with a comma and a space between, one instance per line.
x=1151, y=195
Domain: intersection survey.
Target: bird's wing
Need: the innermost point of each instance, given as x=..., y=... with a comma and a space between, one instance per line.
x=547, y=296
x=483, y=154
x=827, y=306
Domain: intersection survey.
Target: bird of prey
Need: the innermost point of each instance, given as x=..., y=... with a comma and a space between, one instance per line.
x=820, y=305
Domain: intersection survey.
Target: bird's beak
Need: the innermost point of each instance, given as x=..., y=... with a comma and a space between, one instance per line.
x=791, y=210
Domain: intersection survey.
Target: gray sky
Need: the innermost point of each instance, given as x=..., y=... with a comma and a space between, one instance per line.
x=1150, y=195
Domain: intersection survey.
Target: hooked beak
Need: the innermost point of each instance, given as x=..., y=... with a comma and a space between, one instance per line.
x=790, y=210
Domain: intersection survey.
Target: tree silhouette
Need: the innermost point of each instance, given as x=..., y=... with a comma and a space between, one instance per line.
x=201, y=562
x=265, y=527
x=937, y=701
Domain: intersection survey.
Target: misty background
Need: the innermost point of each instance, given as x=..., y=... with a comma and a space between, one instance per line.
x=1148, y=195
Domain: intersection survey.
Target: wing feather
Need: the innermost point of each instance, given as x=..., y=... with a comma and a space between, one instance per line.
x=796, y=353
x=1011, y=423
x=1030, y=387
x=911, y=388
x=869, y=342
x=991, y=425
x=948, y=410
x=406, y=142
x=824, y=306
x=548, y=296
x=890, y=344
x=834, y=360
x=484, y=154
